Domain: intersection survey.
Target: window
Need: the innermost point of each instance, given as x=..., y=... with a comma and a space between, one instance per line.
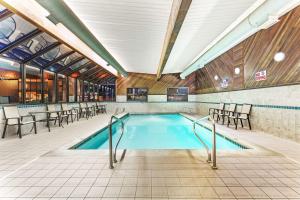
x=48, y=87
x=137, y=94
x=62, y=88
x=10, y=83
x=79, y=90
x=33, y=85
x=178, y=94
x=86, y=91
x=71, y=89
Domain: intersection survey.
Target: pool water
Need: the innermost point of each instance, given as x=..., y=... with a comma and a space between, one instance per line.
x=157, y=131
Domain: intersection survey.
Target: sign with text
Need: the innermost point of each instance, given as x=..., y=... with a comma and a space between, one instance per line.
x=261, y=75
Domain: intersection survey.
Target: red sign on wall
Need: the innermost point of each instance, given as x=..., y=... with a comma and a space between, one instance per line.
x=261, y=75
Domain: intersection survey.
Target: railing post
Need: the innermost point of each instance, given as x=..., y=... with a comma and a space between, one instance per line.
x=111, y=164
x=214, y=149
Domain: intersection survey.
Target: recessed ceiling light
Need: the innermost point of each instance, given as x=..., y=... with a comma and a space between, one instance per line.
x=216, y=77
x=237, y=70
x=279, y=56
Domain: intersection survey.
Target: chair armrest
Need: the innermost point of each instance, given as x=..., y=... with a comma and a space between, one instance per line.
x=30, y=115
x=12, y=118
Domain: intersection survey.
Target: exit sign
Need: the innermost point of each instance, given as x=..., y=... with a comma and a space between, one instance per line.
x=261, y=75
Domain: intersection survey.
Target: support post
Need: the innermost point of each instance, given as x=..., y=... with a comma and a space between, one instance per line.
x=67, y=89
x=82, y=89
x=76, y=90
x=23, y=83
x=42, y=86
x=55, y=88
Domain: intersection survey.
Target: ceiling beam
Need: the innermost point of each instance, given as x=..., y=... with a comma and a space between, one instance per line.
x=41, y=52
x=60, y=12
x=5, y=14
x=59, y=58
x=176, y=19
x=21, y=40
x=93, y=75
x=73, y=62
x=89, y=65
x=98, y=77
x=92, y=69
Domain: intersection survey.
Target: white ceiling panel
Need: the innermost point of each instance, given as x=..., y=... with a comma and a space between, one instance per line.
x=205, y=20
x=132, y=31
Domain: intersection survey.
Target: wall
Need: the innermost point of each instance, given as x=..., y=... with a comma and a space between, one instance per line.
x=256, y=54
x=154, y=87
x=275, y=110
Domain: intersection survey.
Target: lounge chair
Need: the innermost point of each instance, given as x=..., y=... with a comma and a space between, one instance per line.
x=84, y=110
x=56, y=114
x=13, y=118
x=70, y=111
x=217, y=111
x=102, y=107
x=226, y=113
x=243, y=115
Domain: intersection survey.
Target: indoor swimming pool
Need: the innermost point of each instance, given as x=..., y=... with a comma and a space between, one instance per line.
x=157, y=131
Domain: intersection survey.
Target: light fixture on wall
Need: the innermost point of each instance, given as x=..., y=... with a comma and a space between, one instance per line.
x=279, y=56
x=216, y=77
x=237, y=70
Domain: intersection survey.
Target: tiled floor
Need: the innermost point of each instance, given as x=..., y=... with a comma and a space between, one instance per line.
x=40, y=167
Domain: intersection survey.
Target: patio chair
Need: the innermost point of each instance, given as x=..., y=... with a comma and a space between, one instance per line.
x=56, y=114
x=243, y=115
x=13, y=118
x=70, y=111
x=84, y=110
x=101, y=107
x=229, y=113
x=217, y=111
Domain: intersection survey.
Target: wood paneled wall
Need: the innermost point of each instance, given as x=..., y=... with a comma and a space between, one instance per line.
x=154, y=87
x=256, y=54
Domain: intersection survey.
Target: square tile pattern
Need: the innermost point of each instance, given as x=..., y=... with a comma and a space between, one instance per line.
x=40, y=167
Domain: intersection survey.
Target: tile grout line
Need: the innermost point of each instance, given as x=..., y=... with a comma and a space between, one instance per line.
x=19, y=168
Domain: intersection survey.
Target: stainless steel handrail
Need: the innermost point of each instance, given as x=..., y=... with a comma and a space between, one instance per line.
x=112, y=155
x=211, y=156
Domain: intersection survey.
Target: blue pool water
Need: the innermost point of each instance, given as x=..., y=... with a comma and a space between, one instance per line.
x=157, y=131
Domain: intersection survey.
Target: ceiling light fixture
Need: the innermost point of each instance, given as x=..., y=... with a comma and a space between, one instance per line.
x=237, y=70
x=216, y=77
x=279, y=56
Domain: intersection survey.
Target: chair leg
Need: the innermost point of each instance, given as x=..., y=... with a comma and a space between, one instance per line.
x=228, y=121
x=48, y=122
x=242, y=123
x=235, y=123
x=249, y=124
x=223, y=119
x=34, y=126
x=4, y=130
x=19, y=132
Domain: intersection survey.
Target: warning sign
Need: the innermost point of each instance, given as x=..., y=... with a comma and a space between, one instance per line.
x=261, y=75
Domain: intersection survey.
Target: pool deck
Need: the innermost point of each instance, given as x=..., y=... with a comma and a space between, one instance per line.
x=41, y=167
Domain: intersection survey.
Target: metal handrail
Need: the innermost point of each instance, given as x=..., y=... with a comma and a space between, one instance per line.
x=112, y=155
x=210, y=154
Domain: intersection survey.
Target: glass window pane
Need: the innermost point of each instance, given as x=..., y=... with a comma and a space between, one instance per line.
x=79, y=90
x=62, y=88
x=33, y=85
x=71, y=89
x=10, y=83
x=49, y=87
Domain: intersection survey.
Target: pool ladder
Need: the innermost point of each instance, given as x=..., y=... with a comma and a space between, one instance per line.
x=211, y=155
x=113, y=154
